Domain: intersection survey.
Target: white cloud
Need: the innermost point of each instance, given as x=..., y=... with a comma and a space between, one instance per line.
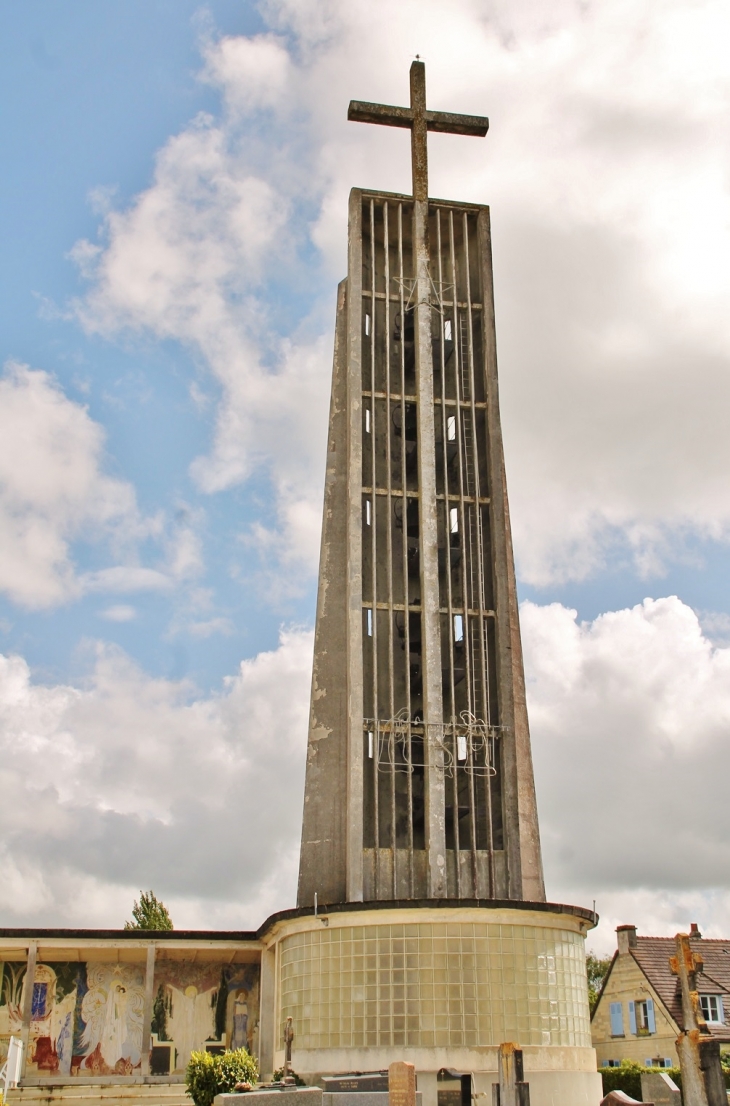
x=606, y=168
x=629, y=714
x=120, y=613
x=211, y=626
x=52, y=488
x=252, y=73
x=630, y=717
x=55, y=493
x=126, y=578
x=131, y=782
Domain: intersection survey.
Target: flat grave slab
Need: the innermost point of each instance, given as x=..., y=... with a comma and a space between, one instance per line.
x=291, y=1096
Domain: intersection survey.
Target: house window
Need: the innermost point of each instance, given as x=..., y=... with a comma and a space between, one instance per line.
x=611, y=1063
x=658, y=1062
x=641, y=1017
x=617, y=1019
x=712, y=1010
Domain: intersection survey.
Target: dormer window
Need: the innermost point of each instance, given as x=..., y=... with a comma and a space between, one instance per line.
x=712, y=1010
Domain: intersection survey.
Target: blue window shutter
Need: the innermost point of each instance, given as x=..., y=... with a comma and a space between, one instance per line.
x=650, y=1015
x=632, y=1017
x=667, y=1062
x=617, y=1019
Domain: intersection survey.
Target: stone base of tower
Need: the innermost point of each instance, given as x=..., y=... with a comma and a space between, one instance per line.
x=439, y=985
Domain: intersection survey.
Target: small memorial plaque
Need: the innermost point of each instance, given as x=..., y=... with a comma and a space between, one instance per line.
x=402, y=1084
x=356, y=1082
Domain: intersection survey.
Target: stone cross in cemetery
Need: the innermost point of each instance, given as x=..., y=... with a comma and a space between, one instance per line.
x=703, y=1082
x=419, y=772
x=511, y=1090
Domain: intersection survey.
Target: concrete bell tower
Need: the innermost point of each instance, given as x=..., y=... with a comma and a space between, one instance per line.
x=419, y=781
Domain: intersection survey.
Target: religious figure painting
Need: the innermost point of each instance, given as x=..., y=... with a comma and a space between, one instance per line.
x=113, y=1010
x=87, y=1018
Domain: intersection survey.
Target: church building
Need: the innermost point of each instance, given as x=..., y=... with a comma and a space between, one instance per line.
x=421, y=930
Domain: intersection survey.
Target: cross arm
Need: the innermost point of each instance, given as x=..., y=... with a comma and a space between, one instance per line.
x=444, y=121
x=449, y=123
x=361, y=112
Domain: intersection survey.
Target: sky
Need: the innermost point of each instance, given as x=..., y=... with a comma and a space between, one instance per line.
x=173, y=209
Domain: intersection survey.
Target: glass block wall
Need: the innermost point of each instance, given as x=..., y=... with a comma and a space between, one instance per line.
x=432, y=985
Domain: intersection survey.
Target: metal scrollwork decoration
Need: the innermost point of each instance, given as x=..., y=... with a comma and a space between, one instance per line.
x=399, y=744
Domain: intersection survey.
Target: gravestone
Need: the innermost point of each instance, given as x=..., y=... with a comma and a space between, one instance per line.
x=620, y=1098
x=453, y=1087
x=367, y=1088
x=659, y=1088
x=356, y=1082
x=402, y=1084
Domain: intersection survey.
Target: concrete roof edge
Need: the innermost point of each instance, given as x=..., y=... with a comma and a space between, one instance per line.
x=419, y=904
x=406, y=198
x=131, y=934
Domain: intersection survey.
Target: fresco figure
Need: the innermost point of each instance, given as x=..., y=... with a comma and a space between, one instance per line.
x=194, y=1021
x=113, y=1009
x=239, y=1037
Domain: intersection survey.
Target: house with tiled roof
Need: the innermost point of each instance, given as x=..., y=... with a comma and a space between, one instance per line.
x=638, y=1015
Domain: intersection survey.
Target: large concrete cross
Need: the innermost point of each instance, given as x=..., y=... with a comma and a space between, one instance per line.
x=420, y=122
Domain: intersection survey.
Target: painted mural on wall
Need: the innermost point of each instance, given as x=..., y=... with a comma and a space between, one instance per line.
x=200, y=1006
x=87, y=1018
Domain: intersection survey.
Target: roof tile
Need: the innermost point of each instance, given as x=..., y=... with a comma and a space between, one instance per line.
x=652, y=955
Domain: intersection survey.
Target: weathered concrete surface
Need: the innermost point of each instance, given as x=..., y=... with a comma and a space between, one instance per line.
x=524, y=873
x=351, y=555
x=323, y=858
x=430, y=597
x=337, y=862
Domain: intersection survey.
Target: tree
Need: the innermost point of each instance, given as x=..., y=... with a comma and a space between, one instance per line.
x=597, y=969
x=149, y=913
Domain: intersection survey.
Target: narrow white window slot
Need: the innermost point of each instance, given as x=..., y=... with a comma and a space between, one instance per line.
x=447, y=330
x=370, y=621
x=367, y=325
x=461, y=746
x=454, y=520
x=367, y=512
x=370, y=744
x=458, y=628
x=451, y=428
x=367, y=420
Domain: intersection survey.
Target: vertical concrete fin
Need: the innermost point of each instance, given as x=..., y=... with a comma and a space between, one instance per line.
x=323, y=866
x=522, y=844
x=351, y=554
x=430, y=597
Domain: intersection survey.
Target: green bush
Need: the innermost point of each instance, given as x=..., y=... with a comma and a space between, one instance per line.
x=627, y=1078
x=209, y=1075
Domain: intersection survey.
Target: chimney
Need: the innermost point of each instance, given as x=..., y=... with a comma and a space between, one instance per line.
x=694, y=930
x=626, y=939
